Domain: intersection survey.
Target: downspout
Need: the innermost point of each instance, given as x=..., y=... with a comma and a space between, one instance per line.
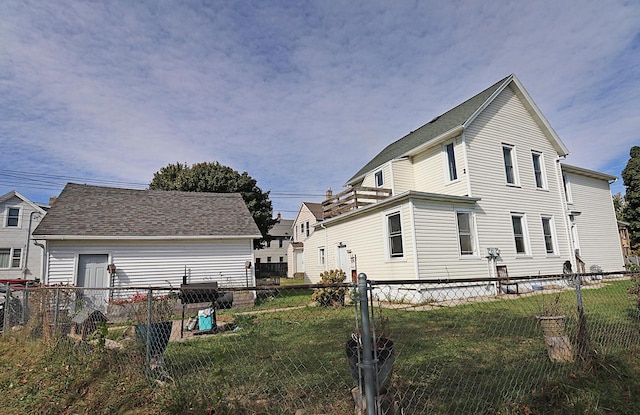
x=43, y=263
x=416, y=262
x=565, y=211
x=26, y=254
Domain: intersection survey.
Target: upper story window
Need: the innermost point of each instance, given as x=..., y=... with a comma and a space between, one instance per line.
x=379, y=178
x=269, y=244
x=394, y=234
x=538, y=169
x=547, y=230
x=466, y=233
x=520, y=233
x=280, y=242
x=451, y=161
x=510, y=167
x=302, y=229
x=13, y=217
x=307, y=226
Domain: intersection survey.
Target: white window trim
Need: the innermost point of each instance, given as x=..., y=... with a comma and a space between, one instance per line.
x=566, y=184
x=543, y=173
x=387, y=237
x=554, y=238
x=6, y=217
x=514, y=161
x=525, y=234
x=375, y=178
x=322, y=256
x=445, y=162
x=11, y=253
x=474, y=234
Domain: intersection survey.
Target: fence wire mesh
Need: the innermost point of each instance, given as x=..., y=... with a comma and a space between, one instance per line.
x=472, y=346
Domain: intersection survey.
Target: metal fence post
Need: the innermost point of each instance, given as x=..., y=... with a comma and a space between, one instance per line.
x=367, y=365
x=56, y=311
x=148, y=342
x=583, y=339
x=7, y=308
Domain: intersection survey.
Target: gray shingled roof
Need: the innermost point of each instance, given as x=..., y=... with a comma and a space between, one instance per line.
x=453, y=118
x=93, y=211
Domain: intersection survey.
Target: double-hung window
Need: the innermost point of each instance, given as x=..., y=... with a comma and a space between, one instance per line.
x=547, y=230
x=510, y=167
x=10, y=258
x=567, y=189
x=520, y=233
x=538, y=169
x=451, y=161
x=394, y=234
x=321, y=256
x=466, y=237
x=13, y=217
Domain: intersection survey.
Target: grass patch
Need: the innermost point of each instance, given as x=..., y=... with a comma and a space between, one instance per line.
x=484, y=357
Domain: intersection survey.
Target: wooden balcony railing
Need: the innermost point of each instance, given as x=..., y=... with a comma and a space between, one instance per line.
x=353, y=198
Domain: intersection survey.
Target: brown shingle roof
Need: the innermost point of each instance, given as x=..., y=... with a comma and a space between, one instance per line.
x=93, y=211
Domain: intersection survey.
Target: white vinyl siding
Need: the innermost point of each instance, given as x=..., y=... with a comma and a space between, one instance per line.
x=384, y=171
x=144, y=263
x=507, y=121
x=402, y=173
x=596, y=224
x=431, y=173
x=364, y=236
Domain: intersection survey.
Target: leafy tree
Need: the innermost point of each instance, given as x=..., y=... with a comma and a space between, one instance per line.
x=619, y=205
x=631, y=180
x=217, y=178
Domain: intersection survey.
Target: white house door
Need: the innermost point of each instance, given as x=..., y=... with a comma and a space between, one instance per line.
x=92, y=273
x=343, y=261
x=299, y=261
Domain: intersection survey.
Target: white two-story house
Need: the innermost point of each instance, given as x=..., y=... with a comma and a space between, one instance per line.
x=20, y=257
x=476, y=191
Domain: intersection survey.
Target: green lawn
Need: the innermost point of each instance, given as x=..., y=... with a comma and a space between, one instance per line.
x=287, y=354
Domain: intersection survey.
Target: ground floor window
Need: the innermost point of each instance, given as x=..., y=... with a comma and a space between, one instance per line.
x=519, y=233
x=466, y=237
x=394, y=232
x=10, y=257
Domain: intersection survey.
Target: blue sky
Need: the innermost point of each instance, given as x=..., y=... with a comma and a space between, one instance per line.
x=298, y=94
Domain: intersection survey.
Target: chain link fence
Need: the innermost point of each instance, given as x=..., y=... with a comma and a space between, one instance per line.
x=436, y=346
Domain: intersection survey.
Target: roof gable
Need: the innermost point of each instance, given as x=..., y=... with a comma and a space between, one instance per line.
x=14, y=193
x=455, y=120
x=84, y=211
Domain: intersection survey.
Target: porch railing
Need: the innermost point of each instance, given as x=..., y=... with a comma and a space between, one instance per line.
x=353, y=198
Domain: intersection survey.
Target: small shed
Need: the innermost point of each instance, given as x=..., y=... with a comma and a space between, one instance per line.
x=86, y=322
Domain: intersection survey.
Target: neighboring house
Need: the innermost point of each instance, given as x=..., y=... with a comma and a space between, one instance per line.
x=625, y=242
x=153, y=238
x=271, y=260
x=478, y=187
x=302, y=228
x=20, y=258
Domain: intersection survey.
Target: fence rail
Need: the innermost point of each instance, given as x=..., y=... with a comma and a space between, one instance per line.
x=434, y=346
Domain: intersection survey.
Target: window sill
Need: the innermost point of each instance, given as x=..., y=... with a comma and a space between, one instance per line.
x=524, y=256
x=451, y=182
x=390, y=260
x=513, y=185
x=542, y=189
x=553, y=256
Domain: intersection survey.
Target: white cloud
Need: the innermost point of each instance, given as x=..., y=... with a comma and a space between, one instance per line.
x=299, y=95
